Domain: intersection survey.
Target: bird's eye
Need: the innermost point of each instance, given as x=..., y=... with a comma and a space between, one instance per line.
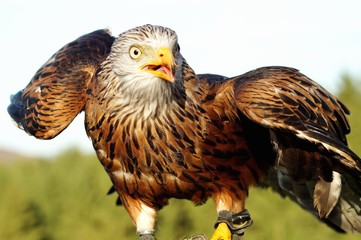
x=177, y=48
x=135, y=52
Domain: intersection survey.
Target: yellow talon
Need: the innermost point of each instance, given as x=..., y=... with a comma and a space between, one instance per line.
x=222, y=232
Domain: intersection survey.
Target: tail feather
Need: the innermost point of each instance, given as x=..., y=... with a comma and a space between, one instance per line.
x=345, y=216
x=347, y=213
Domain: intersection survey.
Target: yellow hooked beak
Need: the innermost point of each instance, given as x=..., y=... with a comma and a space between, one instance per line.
x=163, y=66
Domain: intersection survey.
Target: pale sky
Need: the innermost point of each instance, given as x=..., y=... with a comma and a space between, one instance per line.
x=320, y=38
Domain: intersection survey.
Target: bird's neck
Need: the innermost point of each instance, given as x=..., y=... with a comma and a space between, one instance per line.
x=143, y=101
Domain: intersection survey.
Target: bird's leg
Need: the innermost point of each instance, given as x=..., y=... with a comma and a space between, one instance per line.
x=234, y=224
x=145, y=222
x=143, y=216
x=222, y=232
x=233, y=219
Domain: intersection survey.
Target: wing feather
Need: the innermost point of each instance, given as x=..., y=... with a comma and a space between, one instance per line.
x=57, y=92
x=308, y=128
x=284, y=99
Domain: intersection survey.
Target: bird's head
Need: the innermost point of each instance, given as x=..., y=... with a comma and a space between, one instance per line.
x=147, y=66
x=147, y=55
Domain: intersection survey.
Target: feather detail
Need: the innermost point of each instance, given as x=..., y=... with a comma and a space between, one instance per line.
x=326, y=194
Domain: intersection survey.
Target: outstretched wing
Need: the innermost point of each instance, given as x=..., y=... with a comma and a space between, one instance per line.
x=307, y=127
x=283, y=99
x=57, y=92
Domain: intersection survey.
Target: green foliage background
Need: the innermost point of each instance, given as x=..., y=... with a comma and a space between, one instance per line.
x=65, y=198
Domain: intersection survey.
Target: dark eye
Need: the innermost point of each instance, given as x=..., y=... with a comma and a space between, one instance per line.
x=135, y=52
x=177, y=48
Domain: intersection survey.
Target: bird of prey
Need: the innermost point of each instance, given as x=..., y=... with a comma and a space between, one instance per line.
x=161, y=131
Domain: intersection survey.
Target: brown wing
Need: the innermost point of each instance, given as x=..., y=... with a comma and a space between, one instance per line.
x=56, y=94
x=284, y=99
x=308, y=128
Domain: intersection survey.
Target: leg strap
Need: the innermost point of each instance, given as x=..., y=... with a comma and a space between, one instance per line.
x=237, y=222
x=146, y=235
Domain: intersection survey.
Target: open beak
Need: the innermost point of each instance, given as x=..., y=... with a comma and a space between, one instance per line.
x=163, y=66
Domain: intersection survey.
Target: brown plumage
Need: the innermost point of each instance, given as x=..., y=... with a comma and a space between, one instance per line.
x=162, y=132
